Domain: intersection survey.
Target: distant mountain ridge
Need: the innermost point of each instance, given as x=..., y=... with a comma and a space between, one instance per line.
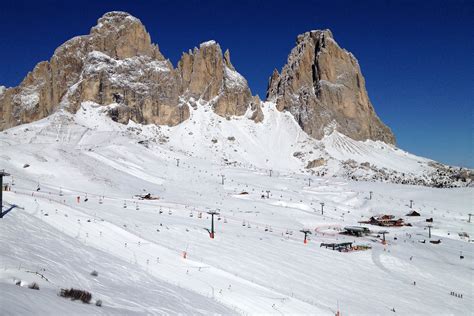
x=117, y=63
x=321, y=85
x=317, y=118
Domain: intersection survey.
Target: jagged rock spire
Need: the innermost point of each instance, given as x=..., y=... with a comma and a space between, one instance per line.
x=322, y=85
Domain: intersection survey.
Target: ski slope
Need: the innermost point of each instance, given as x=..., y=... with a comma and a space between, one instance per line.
x=257, y=263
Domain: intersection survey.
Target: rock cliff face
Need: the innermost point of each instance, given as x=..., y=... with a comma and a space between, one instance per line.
x=323, y=87
x=117, y=63
x=207, y=74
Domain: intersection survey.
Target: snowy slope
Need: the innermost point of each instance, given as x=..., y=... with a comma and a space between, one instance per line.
x=257, y=264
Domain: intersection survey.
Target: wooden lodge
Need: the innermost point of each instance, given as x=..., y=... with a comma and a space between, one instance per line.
x=385, y=220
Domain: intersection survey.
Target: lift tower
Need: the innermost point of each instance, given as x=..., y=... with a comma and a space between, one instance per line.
x=2, y=174
x=212, y=213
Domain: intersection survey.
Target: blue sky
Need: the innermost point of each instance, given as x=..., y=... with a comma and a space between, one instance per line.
x=417, y=56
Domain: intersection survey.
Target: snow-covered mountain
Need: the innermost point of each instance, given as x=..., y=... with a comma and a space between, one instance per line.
x=276, y=143
x=77, y=178
x=116, y=157
x=320, y=91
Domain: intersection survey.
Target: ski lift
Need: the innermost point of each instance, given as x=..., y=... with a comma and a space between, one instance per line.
x=270, y=230
x=136, y=206
x=218, y=218
x=266, y=228
x=191, y=214
x=225, y=220
x=100, y=200
x=38, y=187
x=160, y=211
x=169, y=212
x=248, y=225
x=86, y=199
x=243, y=223
x=287, y=232
x=61, y=192
x=124, y=204
x=200, y=215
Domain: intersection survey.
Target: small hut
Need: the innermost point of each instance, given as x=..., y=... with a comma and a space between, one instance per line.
x=413, y=213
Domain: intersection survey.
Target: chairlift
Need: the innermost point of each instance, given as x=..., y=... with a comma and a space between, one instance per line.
x=225, y=220
x=199, y=215
x=218, y=218
x=169, y=212
x=38, y=187
x=266, y=228
x=191, y=214
x=136, y=206
x=61, y=192
x=248, y=225
x=270, y=230
x=86, y=199
x=243, y=223
x=100, y=200
x=124, y=204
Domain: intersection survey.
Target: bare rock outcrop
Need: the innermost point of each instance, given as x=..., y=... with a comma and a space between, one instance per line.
x=118, y=64
x=316, y=163
x=209, y=75
x=115, y=63
x=322, y=86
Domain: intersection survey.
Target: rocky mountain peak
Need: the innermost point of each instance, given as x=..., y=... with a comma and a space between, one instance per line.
x=321, y=85
x=118, y=64
x=121, y=35
x=314, y=35
x=209, y=75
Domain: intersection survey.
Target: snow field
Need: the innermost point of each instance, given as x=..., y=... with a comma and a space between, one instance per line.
x=254, y=265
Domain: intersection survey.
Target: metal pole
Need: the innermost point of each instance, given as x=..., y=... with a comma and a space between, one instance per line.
x=305, y=232
x=212, y=225
x=411, y=203
x=309, y=182
x=177, y=162
x=429, y=231
x=370, y=195
x=212, y=213
x=322, y=208
x=2, y=174
x=469, y=220
x=1, y=192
